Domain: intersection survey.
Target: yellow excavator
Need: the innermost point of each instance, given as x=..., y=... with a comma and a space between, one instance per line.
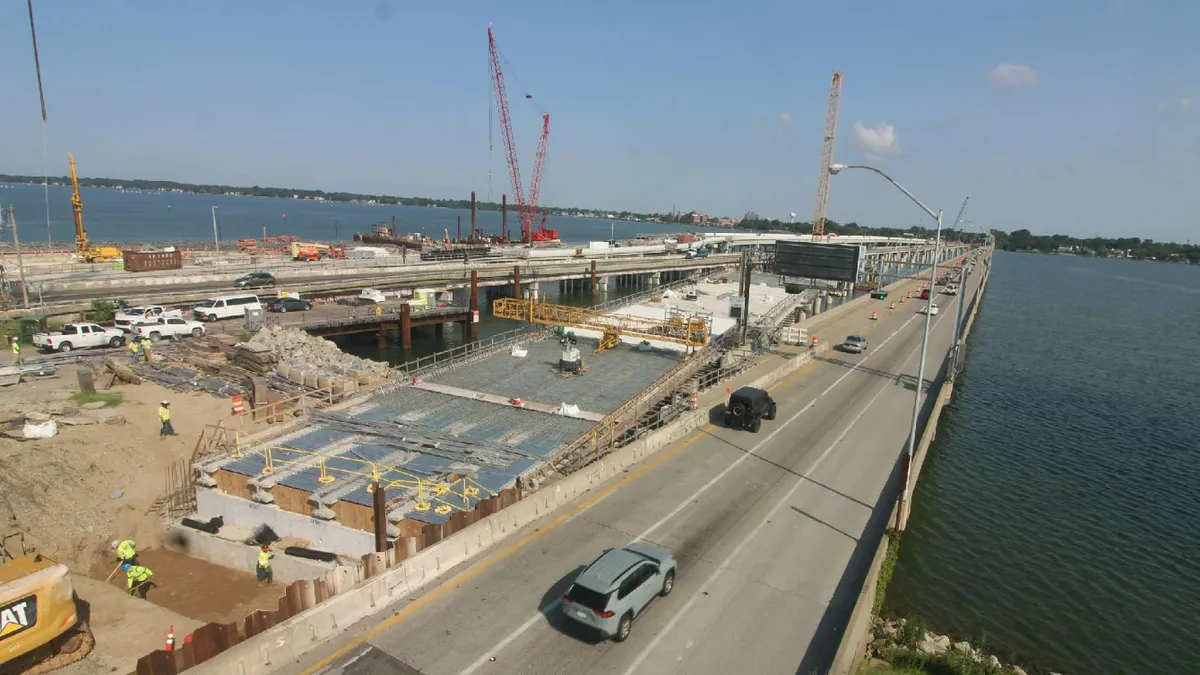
x=82, y=249
x=40, y=626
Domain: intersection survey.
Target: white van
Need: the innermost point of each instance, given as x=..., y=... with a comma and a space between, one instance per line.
x=225, y=307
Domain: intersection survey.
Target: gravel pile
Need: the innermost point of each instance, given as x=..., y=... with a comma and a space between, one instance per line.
x=299, y=349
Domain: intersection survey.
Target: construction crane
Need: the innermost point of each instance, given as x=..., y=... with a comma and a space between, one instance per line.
x=689, y=330
x=526, y=208
x=831, y=122
x=82, y=249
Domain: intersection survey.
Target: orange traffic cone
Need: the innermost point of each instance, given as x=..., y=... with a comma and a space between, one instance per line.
x=239, y=408
x=874, y=315
x=814, y=342
x=893, y=304
x=170, y=639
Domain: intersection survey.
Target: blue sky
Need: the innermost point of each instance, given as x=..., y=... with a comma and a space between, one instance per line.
x=716, y=106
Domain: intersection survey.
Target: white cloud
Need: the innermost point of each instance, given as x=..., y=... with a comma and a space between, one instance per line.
x=1185, y=103
x=785, y=118
x=1012, y=76
x=877, y=140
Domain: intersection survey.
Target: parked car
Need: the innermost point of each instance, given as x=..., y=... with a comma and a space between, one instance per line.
x=289, y=305
x=618, y=586
x=131, y=315
x=79, y=336
x=170, y=327
x=255, y=280
x=855, y=344
x=748, y=407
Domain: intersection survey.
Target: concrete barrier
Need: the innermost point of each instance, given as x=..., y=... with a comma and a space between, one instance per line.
x=857, y=636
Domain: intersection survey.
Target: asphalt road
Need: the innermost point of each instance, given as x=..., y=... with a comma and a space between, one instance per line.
x=766, y=527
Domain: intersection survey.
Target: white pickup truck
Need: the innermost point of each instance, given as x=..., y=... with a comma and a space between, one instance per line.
x=157, y=329
x=79, y=336
x=125, y=319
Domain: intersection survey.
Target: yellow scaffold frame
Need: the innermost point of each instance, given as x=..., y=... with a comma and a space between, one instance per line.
x=688, y=330
x=427, y=491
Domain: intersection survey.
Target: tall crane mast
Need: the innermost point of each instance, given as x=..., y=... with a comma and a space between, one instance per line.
x=526, y=209
x=81, y=240
x=831, y=122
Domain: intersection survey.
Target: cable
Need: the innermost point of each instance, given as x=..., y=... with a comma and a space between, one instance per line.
x=37, y=65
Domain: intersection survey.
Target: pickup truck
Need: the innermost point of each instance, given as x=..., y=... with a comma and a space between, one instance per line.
x=79, y=336
x=157, y=329
x=126, y=318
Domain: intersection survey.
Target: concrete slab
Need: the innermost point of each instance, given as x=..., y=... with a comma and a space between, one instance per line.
x=500, y=400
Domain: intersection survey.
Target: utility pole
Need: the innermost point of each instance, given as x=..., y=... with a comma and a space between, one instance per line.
x=12, y=221
x=216, y=234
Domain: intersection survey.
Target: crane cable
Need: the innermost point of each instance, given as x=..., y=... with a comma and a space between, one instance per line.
x=37, y=65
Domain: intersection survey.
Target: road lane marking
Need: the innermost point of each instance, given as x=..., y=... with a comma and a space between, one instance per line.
x=688, y=501
x=482, y=566
x=804, y=479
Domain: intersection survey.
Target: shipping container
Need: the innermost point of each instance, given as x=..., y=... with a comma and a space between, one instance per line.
x=686, y=238
x=149, y=261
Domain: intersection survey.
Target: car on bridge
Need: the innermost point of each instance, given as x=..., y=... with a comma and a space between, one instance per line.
x=748, y=407
x=854, y=344
x=879, y=294
x=618, y=586
x=255, y=280
x=930, y=309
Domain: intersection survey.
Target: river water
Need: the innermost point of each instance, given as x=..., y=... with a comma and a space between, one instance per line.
x=1057, y=514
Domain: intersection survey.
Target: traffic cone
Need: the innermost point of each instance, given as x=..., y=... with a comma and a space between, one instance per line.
x=239, y=408
x=170, y=639
x=874, y=315
x=893, y=304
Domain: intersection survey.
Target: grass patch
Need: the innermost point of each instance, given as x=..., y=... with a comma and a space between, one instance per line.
x=952, y=663
x=889, y=670
x=886, y=570
x=110, y=398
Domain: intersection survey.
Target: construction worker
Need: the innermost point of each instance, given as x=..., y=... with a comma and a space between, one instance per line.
x=135, y=349
x=263, y=568
x=146, y=349
x=138, y=578
x=126, y=551
x=16, y=349
x=164, y=416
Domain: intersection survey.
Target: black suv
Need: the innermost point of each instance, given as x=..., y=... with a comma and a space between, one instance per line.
x=748, y=407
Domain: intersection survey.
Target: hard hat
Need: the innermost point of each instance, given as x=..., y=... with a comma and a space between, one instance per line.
x=166, y=403
x=266, y=547
x=115, y=543
x=125, y=567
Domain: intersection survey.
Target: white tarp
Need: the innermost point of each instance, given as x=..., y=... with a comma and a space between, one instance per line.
x=40, y=429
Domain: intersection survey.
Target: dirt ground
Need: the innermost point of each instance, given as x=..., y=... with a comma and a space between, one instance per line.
x=198, y=589
x=75, y=493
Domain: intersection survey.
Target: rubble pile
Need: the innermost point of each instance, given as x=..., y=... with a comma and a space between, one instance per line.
x=299, y=350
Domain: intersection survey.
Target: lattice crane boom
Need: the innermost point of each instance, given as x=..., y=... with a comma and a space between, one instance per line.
x=510, y=148
x=831, y=122
x=535, y=186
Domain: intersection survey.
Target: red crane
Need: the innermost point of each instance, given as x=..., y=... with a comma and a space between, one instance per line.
x=526, y=209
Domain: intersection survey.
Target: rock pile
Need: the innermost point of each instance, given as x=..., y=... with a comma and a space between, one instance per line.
x=891, y=636
x=301, y=350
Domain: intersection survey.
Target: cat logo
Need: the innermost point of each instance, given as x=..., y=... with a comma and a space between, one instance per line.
x=18, y=616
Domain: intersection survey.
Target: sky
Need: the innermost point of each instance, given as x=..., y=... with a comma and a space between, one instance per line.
x=1074, y=116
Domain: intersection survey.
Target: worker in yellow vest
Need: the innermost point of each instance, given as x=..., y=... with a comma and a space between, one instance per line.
x=135, y=349
x=263, y=568
x=164, y=416
x=16, y=349
x=139, y=579
x=126, y=551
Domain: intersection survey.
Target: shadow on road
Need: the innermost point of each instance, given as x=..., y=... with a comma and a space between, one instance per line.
x=831, y=526
x=907, y=381
x=829, y=633
x=551, y=608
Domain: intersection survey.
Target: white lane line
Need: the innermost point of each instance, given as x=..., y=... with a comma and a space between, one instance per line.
x=758, y=528
x=537, y=616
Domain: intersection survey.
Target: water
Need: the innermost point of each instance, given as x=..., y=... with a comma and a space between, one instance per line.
x=113, y=215
x=1058, y=513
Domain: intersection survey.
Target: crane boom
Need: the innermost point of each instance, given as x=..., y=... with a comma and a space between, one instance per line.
x=81, y=239
x=831, y=122
x=535, y=186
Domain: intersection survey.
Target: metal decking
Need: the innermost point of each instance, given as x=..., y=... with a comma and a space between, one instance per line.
x=430, y=435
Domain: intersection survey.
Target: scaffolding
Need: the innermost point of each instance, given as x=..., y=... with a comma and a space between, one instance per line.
x=690, y=330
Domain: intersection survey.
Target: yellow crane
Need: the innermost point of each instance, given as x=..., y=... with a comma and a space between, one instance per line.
x=677, y=328
x=86, y=252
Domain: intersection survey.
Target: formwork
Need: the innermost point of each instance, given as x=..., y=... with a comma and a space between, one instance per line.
x=437, y=455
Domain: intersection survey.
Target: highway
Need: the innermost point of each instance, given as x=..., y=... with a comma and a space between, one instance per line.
x=767, y=529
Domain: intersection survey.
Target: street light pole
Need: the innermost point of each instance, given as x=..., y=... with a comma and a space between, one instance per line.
x=906, y=459
x=216, y=236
